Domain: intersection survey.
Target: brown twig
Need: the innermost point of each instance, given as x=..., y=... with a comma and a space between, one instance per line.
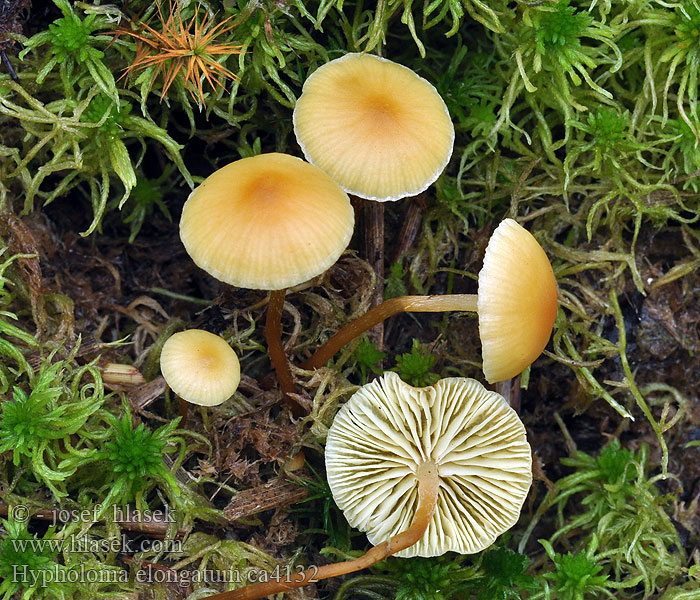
x=373, y=250
x=510, y=390
x=410, y=226
x=274, y=494
x=146, y=394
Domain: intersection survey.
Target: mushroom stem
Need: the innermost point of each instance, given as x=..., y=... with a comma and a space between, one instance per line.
x=183, y=410
x=275, y=349
x=389, y=308
x=428, y=486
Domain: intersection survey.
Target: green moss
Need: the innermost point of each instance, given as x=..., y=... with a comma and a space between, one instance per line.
x=613, y=462
x=321, y=511
x=682, y=156
x=394, y=285
x=504, y=575
x=85, y=145
x=134, y=459
x=608, y=128
x=425, y=579
x=560, y=29
x=28, y=562
x=12, y=337
x=147, y=196
x=71, y=44
x=415, y=366
x=37, y=427
x=136, y=453
x=367, y=357
x=71, y=37
x=621, y=512
x=577, y=576
x=687, y=28
x=110, y=117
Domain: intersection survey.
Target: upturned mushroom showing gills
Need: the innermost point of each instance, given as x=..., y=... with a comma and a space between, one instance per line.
x=376, y=127
x=200, y=367
x=422, y=471
x=267, y=222
x=516, y=303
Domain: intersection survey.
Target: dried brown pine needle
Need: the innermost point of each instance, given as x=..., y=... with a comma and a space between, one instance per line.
x=184, y=48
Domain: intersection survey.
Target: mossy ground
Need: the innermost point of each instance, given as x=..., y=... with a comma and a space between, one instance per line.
x=579, y=119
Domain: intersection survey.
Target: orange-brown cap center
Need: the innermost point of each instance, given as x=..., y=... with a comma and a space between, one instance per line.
x=381, y=113
x=265, y=189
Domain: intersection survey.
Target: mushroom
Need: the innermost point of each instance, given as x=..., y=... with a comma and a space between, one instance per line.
x=422, y=471
x=200, y=367
x=376, y=127
x=516, y=303
x=267, y=222
x=389, y=434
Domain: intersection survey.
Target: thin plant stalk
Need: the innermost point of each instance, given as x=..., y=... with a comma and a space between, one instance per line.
x=374, y=252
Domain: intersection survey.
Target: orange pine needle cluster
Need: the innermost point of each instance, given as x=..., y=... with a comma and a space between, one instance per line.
x=182, y=48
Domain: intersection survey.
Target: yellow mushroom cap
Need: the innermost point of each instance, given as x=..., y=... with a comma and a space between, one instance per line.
x=200, y=367
x=388, y=428
x=376, y=127
x=266, y=222
x=517, y=301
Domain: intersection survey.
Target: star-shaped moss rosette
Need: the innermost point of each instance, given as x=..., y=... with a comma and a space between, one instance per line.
x=185, y=50
x=135, y=460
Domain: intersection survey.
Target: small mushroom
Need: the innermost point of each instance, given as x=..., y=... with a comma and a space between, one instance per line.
x=267, y=222
x=422, y=471
x=516, y=303
x=376, y=127
x=389, y=431
x=200, y=367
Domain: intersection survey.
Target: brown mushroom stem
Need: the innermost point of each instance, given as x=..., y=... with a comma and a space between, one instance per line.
x=183, y=410
x=428, y=486
x=275, y=349
x=389, y=308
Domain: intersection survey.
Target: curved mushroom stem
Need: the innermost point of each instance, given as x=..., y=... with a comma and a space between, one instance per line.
x=275, y=349
x=388, y=308
x=428, y=486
